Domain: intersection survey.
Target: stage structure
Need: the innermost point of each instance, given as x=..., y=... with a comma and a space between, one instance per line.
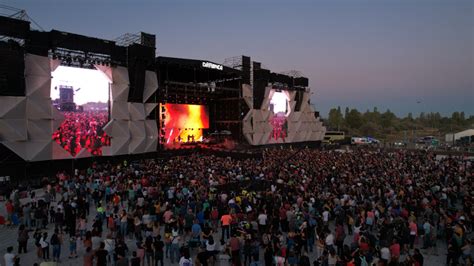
x=255, y=105
x=208, y=88
x=68, y=96
x=279, y=108
x=36, y=127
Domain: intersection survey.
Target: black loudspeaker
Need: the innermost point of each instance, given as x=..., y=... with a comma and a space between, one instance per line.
x=140, y=58
x=301, y=82
x=12, y=65
x=256, y=66
x=245, y=69
x=148, y=40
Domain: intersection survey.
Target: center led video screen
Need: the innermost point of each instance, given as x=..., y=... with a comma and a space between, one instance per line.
x=82, y=96
x=184, y=123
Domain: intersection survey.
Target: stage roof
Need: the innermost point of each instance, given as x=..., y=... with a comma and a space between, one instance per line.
x=198, y=63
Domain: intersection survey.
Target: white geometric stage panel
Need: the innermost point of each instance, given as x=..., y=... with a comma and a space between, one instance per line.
x=54, y=63
x=45, y=153
x=13, y=130
x=39, y=130
x=59, y=152
x=12, y=107
x=121, y=129
x=249, y=138
x=137, y=129
x=39, y=108
x=268, y=96
x=137, y=145
x=300, y=126
x=247, y=91
x=84, y=153
x=120, y=146
x=151, y=85
x=149, y=107
x=151, y=129
x=30, y=150
x=36, y=65
x=119, y=92
x=106, y=71
x=120, y=75
x=137, y=111
x=120, y=111
x=38, y=86
x=151, y=135
x=27, y=123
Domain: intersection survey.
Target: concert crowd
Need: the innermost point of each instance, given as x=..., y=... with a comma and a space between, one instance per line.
x=83, y=130
x=290, y=207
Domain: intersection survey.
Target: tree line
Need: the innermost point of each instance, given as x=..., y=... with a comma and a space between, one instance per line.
x=377, y=124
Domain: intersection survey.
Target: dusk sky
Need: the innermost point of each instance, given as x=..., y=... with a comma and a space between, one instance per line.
x=362, y=54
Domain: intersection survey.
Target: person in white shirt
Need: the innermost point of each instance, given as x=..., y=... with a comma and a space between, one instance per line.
x=329, y=239
x=262, y=222
x=9, y=257
x=385, y=254
x=325, y=216
x=185, y=260
x=45, y=246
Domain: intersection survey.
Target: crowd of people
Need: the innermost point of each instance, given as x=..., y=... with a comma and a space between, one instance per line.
x=290, y=207
x=83, y=130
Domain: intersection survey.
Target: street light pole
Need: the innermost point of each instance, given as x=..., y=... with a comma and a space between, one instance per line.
x=419, y=118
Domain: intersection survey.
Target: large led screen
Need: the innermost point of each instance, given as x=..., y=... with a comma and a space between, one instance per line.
x=279, y=105
x=82, y=95
x=183, y=123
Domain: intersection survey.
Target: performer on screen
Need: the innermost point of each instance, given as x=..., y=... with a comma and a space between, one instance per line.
x=278, y=122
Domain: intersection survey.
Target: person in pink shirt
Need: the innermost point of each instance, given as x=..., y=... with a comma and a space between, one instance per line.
x=167, y=216
x=395, y=250
x=413, y=233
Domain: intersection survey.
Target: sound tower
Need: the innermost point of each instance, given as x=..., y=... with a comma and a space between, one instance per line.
x=299, y=100
x=148, y=40
x=245, y=69
x=140, y=58
x=261, y=78
x=12, y=77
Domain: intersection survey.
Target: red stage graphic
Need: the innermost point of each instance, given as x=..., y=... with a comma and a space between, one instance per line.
x=184, y=123
x=278, y=122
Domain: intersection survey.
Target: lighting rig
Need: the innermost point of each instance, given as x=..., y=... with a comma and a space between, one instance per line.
x=80, y=59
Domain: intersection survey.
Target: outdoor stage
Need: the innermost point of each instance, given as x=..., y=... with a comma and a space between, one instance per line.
x=71, y=99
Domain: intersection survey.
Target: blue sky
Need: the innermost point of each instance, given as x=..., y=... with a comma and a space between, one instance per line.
x=356, y=53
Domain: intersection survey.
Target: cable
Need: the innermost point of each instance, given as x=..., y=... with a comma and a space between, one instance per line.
x=9, y=8
x=34, y=22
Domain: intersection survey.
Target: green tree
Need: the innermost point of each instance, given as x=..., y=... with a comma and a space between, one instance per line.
x=456, y=117
x=370, y=129
x=354, y=119
x=387, y=118
x=335, y=118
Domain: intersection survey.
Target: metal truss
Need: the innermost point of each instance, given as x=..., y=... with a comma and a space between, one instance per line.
x=128, y=39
